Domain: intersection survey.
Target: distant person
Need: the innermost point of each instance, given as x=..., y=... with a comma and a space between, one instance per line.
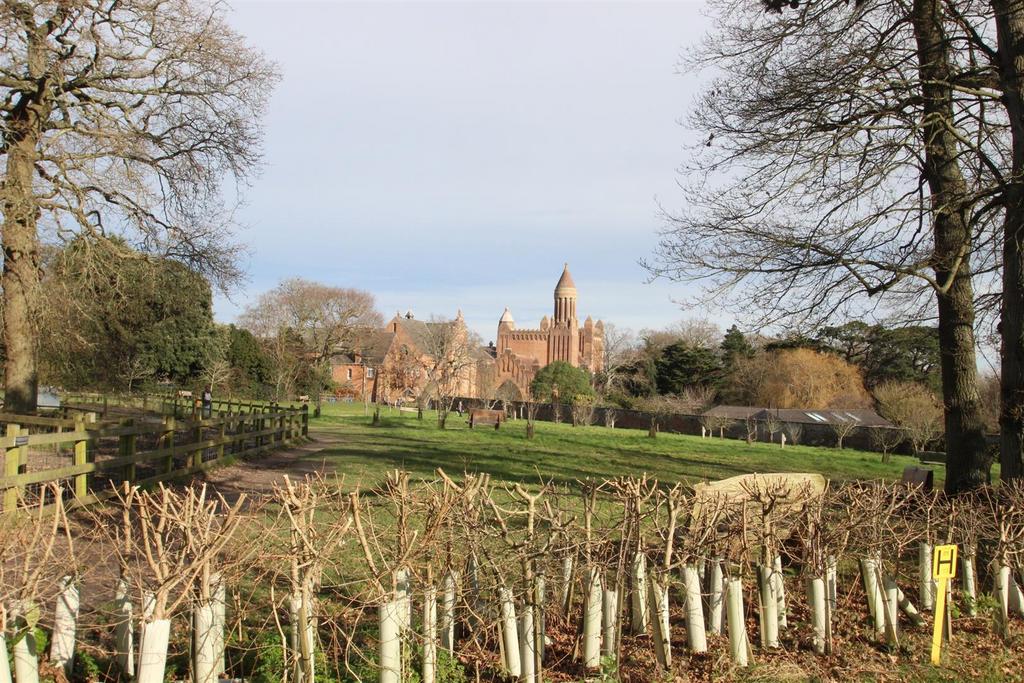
x=207, y=401
x=460, y=409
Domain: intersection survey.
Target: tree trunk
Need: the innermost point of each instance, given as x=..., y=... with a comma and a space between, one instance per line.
x=20, y=241
x=1010, y=34
x=966, y=461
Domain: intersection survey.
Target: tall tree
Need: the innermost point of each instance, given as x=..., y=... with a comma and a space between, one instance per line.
x=127, y=320
x=451, y=352
x=1009, y=58
x=682, y=366
x=734, y=346
x=833, y=180
x=561, y=382
x=324, y=320
x=118, y=118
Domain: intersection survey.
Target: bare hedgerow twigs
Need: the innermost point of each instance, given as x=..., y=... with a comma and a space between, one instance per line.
x=165, y=541
x=36, y=551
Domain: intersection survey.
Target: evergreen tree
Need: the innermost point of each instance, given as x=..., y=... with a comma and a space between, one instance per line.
x=682, y=365
x=562, y=381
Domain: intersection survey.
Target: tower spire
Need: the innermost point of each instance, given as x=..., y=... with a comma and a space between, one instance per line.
x=565, y=297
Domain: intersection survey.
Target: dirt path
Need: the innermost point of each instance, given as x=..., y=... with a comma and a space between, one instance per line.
x=258, y=475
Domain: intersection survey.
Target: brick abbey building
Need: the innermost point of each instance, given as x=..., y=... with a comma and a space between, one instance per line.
x=391, y=363
x=522, y=352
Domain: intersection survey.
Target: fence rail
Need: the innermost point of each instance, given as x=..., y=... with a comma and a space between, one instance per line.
x=92, y=450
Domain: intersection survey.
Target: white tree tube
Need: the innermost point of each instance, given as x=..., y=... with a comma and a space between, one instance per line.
x=779, y=586
x=124, y=632
x=294, y=638
x=657, y=598
x=527, y=647
x=716, y=597
x=65, y=621
x=5, y=663
x=391, y=625
x=153, y=651
x=204, y=645
x=738, y=644
x=403, y=594
x=769, y=608
x=308, y=633
x=219, y=590
x=473, y=584
x=908, y=608
x=566, y=588
x=873, y=594
x=26, y=663
x=696, y=636
x=638, y=594
x=609, y=621
x=892, y=610
x=1001, y=593
x=540, y=625
x=510, y=633
x=1015, y=599
x=970, y=581
x=429, y=635
x=816, y=596
x=926, y=584
x=592, y=621
x=448, y=612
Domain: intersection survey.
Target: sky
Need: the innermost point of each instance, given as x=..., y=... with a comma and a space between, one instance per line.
x=448, y=156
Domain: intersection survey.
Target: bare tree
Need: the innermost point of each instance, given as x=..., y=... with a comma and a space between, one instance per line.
x=914, y=409
x=794, y=431
x=872, y=179
x=451, y=351
x=773, y=425
x=324, y=320
x=620, y=350
x=486, y=376
x=842, y=429
x=886, y=439
x=119, y=117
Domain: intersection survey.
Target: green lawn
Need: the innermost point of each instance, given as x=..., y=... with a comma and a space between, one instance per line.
x=564, y=453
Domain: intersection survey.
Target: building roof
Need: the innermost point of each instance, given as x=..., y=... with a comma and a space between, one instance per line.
x=734, y=412
x=565, y=282
x=862, y=417
x=506, y=317
x=376, y=346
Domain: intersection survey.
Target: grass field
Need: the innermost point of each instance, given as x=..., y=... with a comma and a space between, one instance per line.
x=561, y=452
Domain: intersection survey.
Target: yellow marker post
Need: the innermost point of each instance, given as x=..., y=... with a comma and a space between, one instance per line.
x=943, y=569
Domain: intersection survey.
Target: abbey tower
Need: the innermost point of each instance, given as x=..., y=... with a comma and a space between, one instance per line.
x=521, y=353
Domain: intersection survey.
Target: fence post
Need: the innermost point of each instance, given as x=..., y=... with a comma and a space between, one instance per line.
x=167, y=440
x=223, y=434
x=265, y=441
x=127, y=449
x=197, y=436
x=305, y=419
x=12, y=468
x=80, y=457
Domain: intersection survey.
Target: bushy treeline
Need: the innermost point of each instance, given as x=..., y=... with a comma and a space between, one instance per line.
x=113, y=319
x=854, y=365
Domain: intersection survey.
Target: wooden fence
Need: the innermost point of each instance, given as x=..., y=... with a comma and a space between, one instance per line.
x=93, y=447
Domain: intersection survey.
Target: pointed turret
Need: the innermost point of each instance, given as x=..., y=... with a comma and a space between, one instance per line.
x=565, y=283
x=565, y=297
x=506, y=317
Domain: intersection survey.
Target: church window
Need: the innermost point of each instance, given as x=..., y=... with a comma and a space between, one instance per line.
x=349, y=372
